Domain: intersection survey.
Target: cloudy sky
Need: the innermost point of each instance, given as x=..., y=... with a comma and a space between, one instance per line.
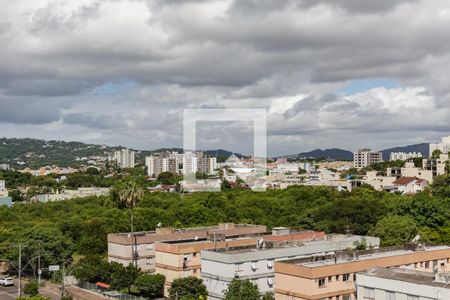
x=357, y=73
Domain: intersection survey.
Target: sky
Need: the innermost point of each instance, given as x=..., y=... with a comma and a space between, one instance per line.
x=345, y=74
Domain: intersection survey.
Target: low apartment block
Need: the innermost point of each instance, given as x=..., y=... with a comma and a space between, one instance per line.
x=220, y=267
x=402, y=284
x=333, y=276
x=120, y=245
x=178, y=259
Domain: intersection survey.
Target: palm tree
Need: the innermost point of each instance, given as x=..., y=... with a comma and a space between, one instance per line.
x=130, y=195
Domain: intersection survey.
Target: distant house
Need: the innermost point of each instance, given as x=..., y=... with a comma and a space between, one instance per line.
x=410, y=185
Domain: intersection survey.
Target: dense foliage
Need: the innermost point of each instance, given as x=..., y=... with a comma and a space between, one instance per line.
x=242, y=289
x=188, y=288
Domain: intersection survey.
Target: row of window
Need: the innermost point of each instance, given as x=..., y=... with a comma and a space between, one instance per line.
x=345, y=277
x=369, y=294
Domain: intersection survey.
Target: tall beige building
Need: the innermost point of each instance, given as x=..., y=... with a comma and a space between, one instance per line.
x=366, y=157
x=124, y=158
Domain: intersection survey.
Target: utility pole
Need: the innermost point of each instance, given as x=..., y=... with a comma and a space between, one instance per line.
x=39, y=263
x=19, y=291
x=62, y=284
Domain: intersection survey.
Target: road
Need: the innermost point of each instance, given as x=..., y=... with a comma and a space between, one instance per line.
x=10, y=292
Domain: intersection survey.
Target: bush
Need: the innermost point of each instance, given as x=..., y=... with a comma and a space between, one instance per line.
x=31, y=288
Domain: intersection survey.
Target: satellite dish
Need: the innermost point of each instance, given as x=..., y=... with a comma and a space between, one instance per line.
x=196, y=237
x=416, y=239
x=159, y=225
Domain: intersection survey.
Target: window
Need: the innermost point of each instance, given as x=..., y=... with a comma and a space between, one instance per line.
x=427, y=264
x=238, y=267
x=321, y=282
x=337, y=277
x=330, y=278
x=390, y=296
x=148, y=261
x=345, y=277
x=194, y=254
x=369, y=293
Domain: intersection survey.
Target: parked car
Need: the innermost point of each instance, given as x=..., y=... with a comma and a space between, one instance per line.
x=6, y=281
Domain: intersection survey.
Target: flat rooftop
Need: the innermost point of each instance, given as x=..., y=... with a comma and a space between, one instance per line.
x=187, y=230
x=287, y=250
x=406, y=275
x=346, y=257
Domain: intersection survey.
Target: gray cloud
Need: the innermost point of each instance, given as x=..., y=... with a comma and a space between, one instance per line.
x=69, y=62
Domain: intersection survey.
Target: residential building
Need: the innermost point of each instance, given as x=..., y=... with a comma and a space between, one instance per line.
x=333, y=276
x=220, y=267
x=437, y=165
x=365, y=157
x=410, y=185
x=178, y=259
x=71, y=194
x=125, y=158
x=5, y=167
x=47, y=170
x=402, y=284
x=186, y=163
x=3, y=189
x=404, y=155
x=443, y=146
x=388, y=181
x=120, y=245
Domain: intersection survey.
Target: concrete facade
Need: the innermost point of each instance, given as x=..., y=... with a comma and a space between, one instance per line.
x=366, y=157
x=219, y=268
x=333, y=277
x=120, y=244
x=401, y=284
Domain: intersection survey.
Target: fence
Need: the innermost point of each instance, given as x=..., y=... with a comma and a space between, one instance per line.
x=110, y=294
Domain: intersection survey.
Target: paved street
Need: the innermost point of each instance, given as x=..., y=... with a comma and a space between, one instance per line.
x=10, y=292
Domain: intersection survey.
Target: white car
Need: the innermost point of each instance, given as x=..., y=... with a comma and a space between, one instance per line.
x=6, y=281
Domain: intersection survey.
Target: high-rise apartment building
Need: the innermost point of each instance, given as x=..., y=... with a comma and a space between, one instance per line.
x=365, y=157
x=124, y=158
x=443, y=146
x=185, y=163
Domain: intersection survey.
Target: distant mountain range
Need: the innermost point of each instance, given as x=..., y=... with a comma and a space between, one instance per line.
x=21, y=152
x=333, y=153
x=34, y=153
x=340, y=154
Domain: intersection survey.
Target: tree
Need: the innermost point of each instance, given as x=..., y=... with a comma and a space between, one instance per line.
x=123, y=277
x=36, y=297
x=436, y=153
x=268, y=296
x=395, y=230
x=188, y=288
x=130, y=196
x=151, y=286
x=242, y=289
x=31, y=288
